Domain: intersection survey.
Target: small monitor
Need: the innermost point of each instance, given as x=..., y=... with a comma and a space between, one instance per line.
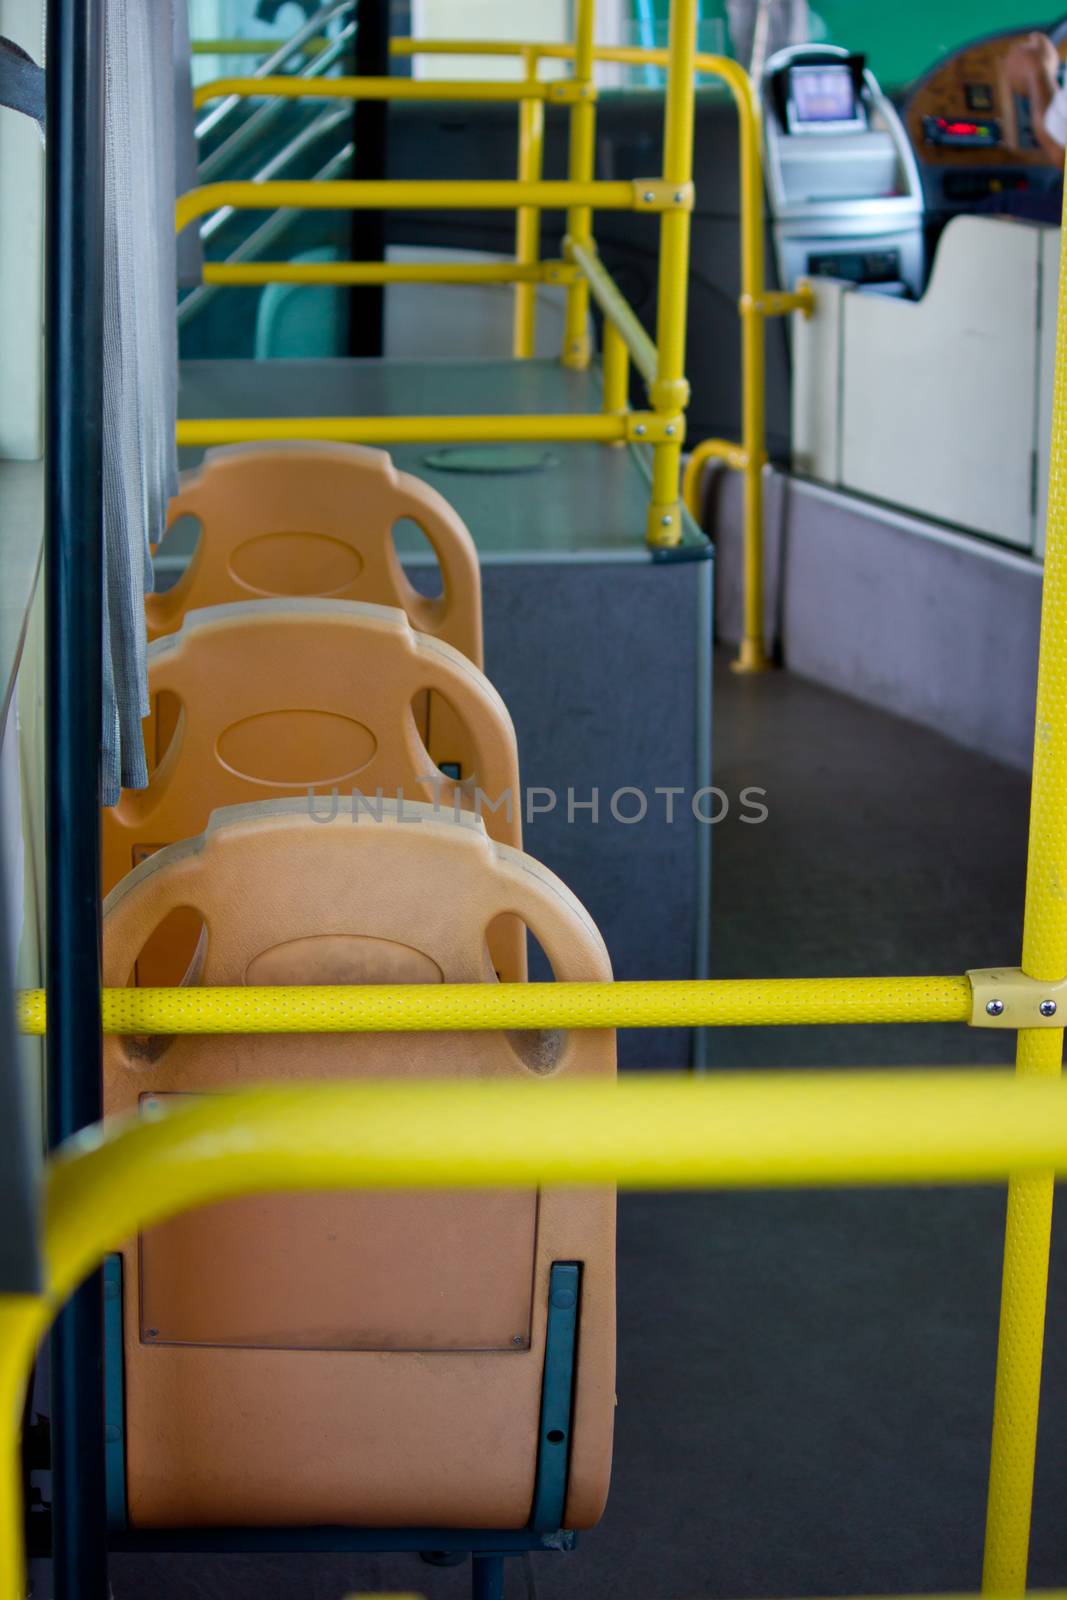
x=822, y=98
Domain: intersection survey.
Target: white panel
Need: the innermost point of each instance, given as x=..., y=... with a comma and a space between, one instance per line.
x=549, y=20
x=1046, y=365
x=21, y=255
x=817, y=379
x=939, y=398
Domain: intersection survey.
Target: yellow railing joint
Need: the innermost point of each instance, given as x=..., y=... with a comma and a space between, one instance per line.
x=570, y=91
x=663, y=525
x=660, y=194
x=669, y=394
x=655, y=427
x=1004, y=997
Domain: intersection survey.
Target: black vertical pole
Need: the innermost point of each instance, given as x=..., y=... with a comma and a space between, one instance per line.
x=366, y=306
x=74, y=600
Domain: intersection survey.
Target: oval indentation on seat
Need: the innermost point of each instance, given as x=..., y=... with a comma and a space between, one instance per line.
x=292, y=749
x=295, y=564
x=342, y=958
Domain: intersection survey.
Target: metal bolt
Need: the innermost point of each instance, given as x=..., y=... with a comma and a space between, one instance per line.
x=1047, y=1008
x=669, y=430
x=678, y=197
x=151, y=1333
x=666, y=520
x=650, y=195
x=994, y=1007
x=518, y=1339
x=640, y=430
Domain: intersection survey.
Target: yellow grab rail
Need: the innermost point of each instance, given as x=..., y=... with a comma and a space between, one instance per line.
x=348, y=272
x=528, y=218
x=441, y=194
x=784, y=1129
x=284, y=87
x=616, y=309
x=669, y=391
x=1040, y=1053
x=500, y=429
x=581, y=160
x=470, y=1007
x=251, y=47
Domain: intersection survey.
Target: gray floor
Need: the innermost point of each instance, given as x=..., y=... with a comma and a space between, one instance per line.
x=805, y=1380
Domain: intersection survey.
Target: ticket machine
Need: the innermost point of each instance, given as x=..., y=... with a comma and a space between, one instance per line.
x=843, y=186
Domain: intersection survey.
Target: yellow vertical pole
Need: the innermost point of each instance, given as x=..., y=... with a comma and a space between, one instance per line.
x=1040, y=1053
x=670, y=392
x=580, y=169
x=22, y=1318
x=616, y=369
x=528, y=218
x=752, y=656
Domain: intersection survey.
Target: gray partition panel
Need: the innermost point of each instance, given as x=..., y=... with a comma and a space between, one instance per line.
x=905, y=614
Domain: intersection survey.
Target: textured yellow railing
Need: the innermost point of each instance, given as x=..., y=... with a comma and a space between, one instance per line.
x=111, y=1183
x=470, y=1007
x=1040, y=1054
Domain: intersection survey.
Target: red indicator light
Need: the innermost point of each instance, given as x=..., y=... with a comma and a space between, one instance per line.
x=963, y=127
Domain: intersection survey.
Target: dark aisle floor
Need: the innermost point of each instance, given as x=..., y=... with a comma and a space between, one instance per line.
x=805, y=1380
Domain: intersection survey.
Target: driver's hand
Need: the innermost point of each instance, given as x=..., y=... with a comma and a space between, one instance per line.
x=1034, y=52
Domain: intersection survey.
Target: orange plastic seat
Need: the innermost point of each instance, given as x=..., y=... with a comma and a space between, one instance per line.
x=292, y=696
x=317, y=520
x=357, y=1359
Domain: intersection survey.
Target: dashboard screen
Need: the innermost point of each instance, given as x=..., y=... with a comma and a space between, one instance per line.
x=822, y=94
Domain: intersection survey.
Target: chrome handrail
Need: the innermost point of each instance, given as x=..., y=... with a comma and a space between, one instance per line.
x=280, y=56
x=267, y=232
x=264, y=115
x=324, y=123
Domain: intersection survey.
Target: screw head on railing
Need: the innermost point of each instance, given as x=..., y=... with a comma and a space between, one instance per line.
x=666, y=519
x=679, y=196
x=669, y=430
x=1047, y=1008
x=995, y=1008
x=650, y=195
x=640, y=430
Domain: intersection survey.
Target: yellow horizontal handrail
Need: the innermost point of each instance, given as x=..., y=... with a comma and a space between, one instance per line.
x=373, y=1008
x=110, y=1183
x=348, y=272
x=406, y=46
x=252, y=47
x=734, y=1130
x=284, y=87
x=591, y=428
x=731, y=455
x=613, y=304
x=503, y=194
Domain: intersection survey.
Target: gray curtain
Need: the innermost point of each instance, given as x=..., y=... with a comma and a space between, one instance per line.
x=140, y=352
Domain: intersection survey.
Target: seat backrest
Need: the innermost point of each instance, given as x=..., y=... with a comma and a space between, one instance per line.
x=358, y=1358
x=311, y=695
x=317, y=519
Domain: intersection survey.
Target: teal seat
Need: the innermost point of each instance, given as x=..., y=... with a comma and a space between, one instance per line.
x=301, y=320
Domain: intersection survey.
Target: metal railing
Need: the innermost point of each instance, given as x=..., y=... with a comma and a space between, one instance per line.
x=266, y=115
x=298, y=43
x=661, y=362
